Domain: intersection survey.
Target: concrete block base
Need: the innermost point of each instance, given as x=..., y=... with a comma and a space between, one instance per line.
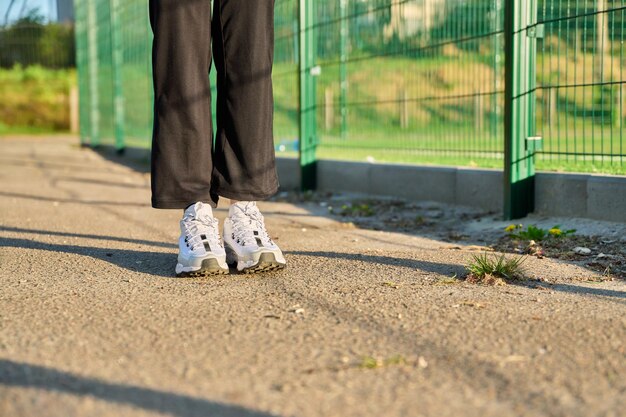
x=556, y=194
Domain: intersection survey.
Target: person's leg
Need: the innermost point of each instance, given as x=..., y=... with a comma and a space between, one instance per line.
x=244, y=161
x=182, y=136
x=243, y=45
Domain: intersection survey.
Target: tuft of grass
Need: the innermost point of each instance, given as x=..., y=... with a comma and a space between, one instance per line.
x=370, y=362
x=492, y=270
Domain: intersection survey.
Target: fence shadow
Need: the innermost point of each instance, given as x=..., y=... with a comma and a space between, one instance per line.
x=23, y=230
x=153, y=263
x=459, y=270
x=412, y=264
x=24, y=375
x=137, y=159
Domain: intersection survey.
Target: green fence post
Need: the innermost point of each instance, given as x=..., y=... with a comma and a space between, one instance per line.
x=308, y=108
x=496, y=111
x=116, y=70
x=343, y=68
x=520, y=31
x=82, y=70
x=92, y=47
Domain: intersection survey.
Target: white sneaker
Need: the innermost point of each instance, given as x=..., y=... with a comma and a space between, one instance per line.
x=246, y=240
x=201, y=251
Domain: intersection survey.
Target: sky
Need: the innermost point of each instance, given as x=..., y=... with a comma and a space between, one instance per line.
x=46, y=7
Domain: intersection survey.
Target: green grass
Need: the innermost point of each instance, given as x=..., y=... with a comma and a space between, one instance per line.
x=24, y=130
x=485, y=268
x=370, y=362
x=439, y=130
x=443, y=126
x=411, y=157
x=35, y=99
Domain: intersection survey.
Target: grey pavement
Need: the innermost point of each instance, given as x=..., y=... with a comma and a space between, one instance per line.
x=361, y=323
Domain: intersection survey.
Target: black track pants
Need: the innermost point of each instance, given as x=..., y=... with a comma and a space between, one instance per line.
x=185, y=167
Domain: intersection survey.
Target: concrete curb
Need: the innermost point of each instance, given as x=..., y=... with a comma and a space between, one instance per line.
x=557, y=194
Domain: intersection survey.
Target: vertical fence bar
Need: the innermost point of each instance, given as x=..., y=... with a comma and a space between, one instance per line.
x=92, y=48
x=519, y=119
x=308, y=107
x=116, y=71
x=343, y=67
x=82, y=67
x=496, y=110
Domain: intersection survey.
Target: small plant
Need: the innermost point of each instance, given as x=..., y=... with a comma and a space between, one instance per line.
x=369, y=362
x=357, y=210
x=448, y=280
x=557, y=232
x=513, y=227
x=492, y=269
x=516, y=231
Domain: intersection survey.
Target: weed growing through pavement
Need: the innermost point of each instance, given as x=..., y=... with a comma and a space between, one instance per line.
x=369, y=362
x=493, y=270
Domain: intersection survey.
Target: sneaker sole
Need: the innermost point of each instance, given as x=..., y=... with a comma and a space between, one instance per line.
x=267, y=263
x=210, y=267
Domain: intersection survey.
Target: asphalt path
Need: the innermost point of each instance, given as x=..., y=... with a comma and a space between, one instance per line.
x=361, y=323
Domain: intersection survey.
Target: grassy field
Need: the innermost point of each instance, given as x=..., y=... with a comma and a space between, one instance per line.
x=35, y=99
x=448, y=110
x=442, y=110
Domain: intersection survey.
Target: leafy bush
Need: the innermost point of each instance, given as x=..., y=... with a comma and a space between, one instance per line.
x=30, y=41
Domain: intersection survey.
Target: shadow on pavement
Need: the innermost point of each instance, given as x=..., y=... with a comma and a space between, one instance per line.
x=105, y=203
x=425, y=266
x=74, y=200
x=87, y=236
x=161, y=263
x=107, y=183
x=24, y=375
x=48, y=165
x=154, y=263
x=448, y=269
x=574, y=289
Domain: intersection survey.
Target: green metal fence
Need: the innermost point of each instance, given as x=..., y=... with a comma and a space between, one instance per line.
x=411, y=81
x=580, y=84
x=488, y=83
x=113, y=42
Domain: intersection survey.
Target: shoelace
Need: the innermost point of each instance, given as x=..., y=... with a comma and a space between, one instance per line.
x=195, y=227
x=245, y=223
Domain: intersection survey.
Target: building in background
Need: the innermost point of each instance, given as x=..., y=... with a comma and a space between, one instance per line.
x=65, y=11
x=412, y=17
